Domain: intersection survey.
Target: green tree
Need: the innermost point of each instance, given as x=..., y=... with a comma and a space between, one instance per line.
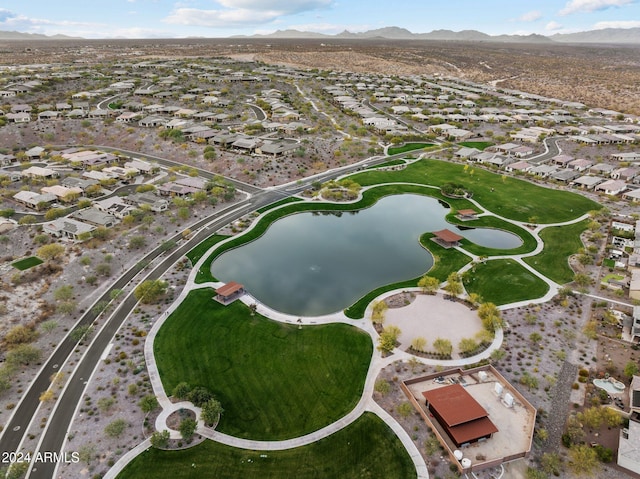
x=199, y=396
x=23, y=355
x=582, y=279
x=454, y=285
x=137, y=242
x=467, y=345
x=428, y=284
x=63, y=293
x=27, y=220
x=19, y=334
x=211, y=411
x=631, y=369
x=188, y=428
x=405, y=409
x=382, y=386
x=160, y=440
x=442, y=346
x=181, y=391
x=49, y=252
x=378, y=312
x=148, y=403
x=388, y=338
x=116, y=428
x=583, y=460
x=419, y=344
x=150, y=290
x=529, y=381
x=551, y=463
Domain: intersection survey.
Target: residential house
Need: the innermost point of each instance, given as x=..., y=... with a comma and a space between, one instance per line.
x=580, y=164
x=543, y=171
x=626, y=173
x=140, y=165
x=602, y=169
x=12, y=175
x=521, y=166
x=587, y=182
x=34, y=200
x=612, y=187
x=632, y=195
x=114, y=206
x=565, y=175
x=149, y=199
x=35, y=153
x=68, y=228
x=39, y=172
x=48, y=115
x=277, y=148
x=18, y=117
x=95, y=217
x=562, y=160
x=62, y=192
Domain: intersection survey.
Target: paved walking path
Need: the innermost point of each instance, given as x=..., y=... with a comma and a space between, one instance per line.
x=366, y=402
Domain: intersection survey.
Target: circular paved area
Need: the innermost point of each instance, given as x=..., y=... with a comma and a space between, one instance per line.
x=432, y=317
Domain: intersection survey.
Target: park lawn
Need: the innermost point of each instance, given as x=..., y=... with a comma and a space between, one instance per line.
x=480, y=145
x=560, y=242
x=445, y=260
x=26, y=263
x=504, y=195
x=394, y=150
x=274, y=381
x=365, y=448
x=503, y=281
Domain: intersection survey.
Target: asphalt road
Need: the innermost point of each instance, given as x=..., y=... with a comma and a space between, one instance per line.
x=60, y=419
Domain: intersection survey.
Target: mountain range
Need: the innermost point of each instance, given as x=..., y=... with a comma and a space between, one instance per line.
x=608, y=35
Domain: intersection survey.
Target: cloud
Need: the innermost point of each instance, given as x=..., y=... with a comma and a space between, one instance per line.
x=6, y=15
x=243, y=12
x=531, y=16
x=553, y=26
x=617, y=24
x=576, y=6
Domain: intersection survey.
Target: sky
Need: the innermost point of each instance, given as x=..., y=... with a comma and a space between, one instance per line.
x=224, y=18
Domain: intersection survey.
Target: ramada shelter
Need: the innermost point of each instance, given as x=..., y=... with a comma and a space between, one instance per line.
x=447, y=238
x=229, y=292
x=461, y=416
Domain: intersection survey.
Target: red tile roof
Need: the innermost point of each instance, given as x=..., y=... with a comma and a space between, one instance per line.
x=448, y=236
x=229, y=288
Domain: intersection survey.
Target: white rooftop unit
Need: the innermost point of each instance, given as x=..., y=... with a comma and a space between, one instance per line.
x=466, y=462
x=483, y=376
x=498, y=388
x=457, y=454
x=508, y=400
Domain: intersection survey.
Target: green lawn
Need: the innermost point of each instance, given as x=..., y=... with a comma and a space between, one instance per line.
x=196, y=253
x=26, y=263
x=407, y=147
x=560, y=242
x=275, y=381
x=510, y=197
x=366, y=448
x=480, y=145
x=445, y=260
x=283, y=201
x=503, y=281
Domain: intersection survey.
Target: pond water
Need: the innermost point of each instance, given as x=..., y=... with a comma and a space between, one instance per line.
x=311, y=264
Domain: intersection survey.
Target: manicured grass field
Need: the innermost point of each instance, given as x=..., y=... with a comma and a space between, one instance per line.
x=27, y=263
x=510, y=197
x=503, y=281
x=480, y=145
x=560, y=242
x=274, y=381
x=445, y=260
x=366, y=448
x=407, y=147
